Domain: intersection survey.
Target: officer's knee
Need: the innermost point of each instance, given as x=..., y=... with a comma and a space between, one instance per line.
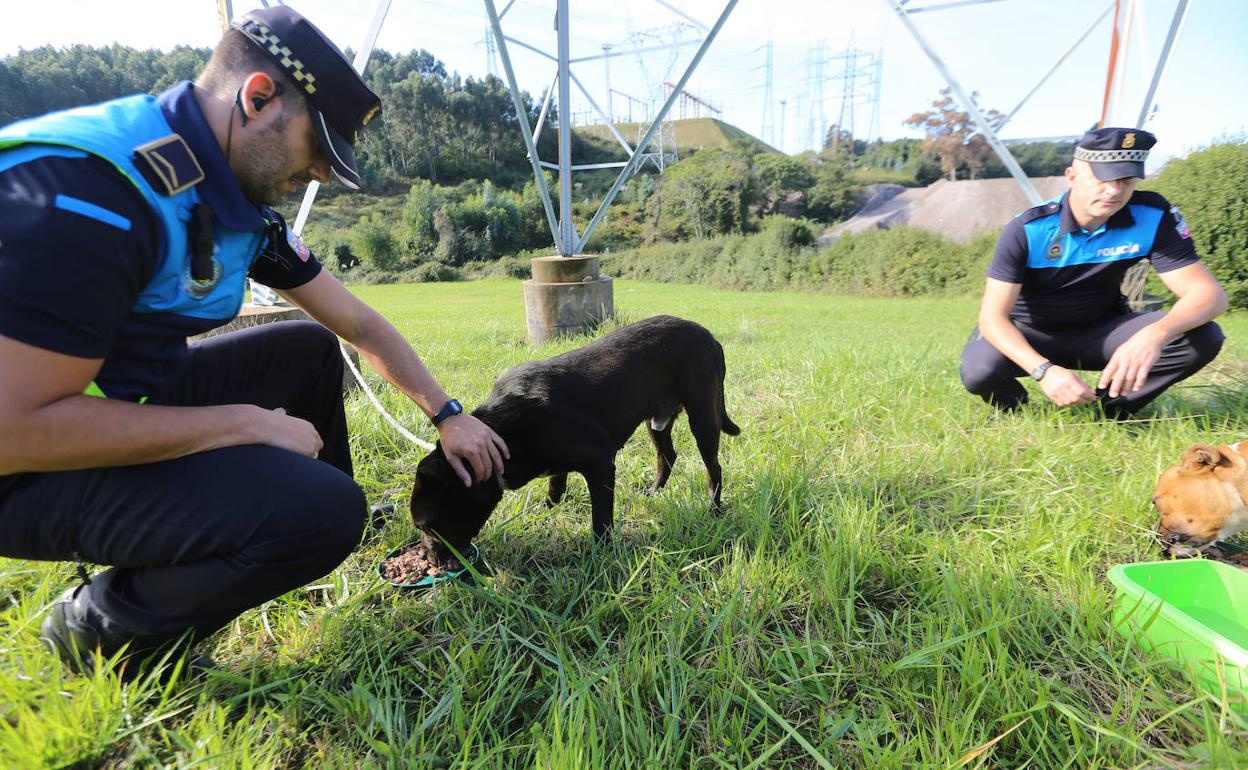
x=1205, y=342
x=979, y=375
x=312, y=337
x=321, y=520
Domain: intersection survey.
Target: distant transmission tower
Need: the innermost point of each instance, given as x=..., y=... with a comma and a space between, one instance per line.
x=491, y=53
x=769, y=115
x=661, y=151
x=859, y=84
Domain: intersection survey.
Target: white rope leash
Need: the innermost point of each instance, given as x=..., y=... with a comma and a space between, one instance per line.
x=425, y=445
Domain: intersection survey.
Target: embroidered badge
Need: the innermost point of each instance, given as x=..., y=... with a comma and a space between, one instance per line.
x=1055, y=250
x=1180, y=224
x=201, y=289
x=296, y=243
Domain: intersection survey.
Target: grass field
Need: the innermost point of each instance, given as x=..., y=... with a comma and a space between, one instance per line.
x=901, y=580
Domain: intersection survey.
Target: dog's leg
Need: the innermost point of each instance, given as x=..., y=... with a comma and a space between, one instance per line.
x=558, y=485
x=666, y=455
x=704, y=423
x=601, y=481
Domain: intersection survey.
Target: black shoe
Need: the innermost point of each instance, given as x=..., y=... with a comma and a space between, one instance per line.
x=379, y=516
x=81, y=647
x=76, y=644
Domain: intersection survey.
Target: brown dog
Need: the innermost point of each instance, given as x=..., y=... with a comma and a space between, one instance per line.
x=1201, y=498
x=573, y=413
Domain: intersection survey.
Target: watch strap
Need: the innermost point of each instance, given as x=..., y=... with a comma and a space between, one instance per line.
x=449, y=409
x=1037, y=374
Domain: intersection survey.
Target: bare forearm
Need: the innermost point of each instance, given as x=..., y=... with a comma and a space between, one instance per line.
x=393, y=358
x=85, y=432
x=1192, y=310
x=1001, y=332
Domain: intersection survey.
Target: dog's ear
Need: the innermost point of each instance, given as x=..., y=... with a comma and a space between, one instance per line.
x=426, y=478
x=1203, y=458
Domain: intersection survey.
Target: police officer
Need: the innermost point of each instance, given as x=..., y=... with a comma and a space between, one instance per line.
x=216, y=476
x=1053, y=303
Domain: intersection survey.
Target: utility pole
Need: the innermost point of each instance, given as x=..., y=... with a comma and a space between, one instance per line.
x=606, y=63
x=767, y=133
x=783, y=104
x=822, y=121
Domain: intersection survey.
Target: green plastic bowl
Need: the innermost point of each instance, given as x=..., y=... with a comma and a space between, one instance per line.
x=1192, y=610
x=472, y=557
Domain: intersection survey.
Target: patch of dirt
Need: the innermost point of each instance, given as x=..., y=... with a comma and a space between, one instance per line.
x=956, y=210
x=413, y=563
x=1234, y=558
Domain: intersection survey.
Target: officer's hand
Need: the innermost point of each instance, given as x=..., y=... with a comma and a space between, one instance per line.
x=278, y=429
x=472, y=448
x=1130, y=364
x=1065, y=388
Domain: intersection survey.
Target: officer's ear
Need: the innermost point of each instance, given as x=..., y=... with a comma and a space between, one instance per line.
x=258, y=89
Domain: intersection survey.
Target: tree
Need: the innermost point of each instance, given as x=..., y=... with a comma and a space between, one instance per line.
x=1210, y=187
x=708, y=193
x=952, y=137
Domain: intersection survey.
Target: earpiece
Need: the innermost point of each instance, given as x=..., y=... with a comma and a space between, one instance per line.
x=258, y=103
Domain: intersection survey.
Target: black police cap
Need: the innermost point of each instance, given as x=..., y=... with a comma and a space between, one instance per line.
x=1115, y=153
x=340, y=102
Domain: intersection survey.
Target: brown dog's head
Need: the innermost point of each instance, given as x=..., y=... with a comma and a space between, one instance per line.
x=447, y=511
x=1201, y=498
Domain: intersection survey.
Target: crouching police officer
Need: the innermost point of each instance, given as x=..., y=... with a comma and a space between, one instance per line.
x=1053, y=303
x=216, y=476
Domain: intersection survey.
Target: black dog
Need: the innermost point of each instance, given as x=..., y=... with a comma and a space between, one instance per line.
x=573, y=412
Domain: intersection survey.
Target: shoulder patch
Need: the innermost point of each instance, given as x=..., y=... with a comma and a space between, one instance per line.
x=169, y=165
x=1049, y=209
x=1180, y=224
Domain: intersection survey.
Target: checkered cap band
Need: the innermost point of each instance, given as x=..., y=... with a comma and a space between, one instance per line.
x=1109, y=156
x=293, y=66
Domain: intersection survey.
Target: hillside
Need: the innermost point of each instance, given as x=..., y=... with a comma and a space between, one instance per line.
x=692, y=134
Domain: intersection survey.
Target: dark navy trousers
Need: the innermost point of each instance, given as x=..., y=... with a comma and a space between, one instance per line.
x=195, y=541
x=990, y=375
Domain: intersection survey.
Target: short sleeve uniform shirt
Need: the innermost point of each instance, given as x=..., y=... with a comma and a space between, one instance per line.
x=78, y=243
x=1071, y=277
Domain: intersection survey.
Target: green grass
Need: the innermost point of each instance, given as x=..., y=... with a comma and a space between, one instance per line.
x=692, y=134
x=900, y=579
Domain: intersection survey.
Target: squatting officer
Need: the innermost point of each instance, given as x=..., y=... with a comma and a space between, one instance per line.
x=1053, y=304
x=216, y=476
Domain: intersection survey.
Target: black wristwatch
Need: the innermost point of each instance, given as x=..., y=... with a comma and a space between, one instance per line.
x=449, y=409
x=1037, y=374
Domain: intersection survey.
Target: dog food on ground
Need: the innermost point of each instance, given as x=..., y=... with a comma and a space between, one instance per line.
x=413, y=563
x=1234, y=558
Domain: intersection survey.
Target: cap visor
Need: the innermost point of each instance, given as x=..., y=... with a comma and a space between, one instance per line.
x=1108, y=172
x=339, y=151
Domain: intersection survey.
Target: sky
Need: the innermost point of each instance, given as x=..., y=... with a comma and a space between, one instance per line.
x=1000, y=49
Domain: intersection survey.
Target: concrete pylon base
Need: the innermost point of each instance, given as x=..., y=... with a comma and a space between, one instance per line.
x=566, y=296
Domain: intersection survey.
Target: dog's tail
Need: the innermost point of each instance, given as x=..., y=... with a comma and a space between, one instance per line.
x=725, y=422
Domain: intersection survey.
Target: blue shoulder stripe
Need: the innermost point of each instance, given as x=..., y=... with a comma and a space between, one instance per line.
x=24, y=153
x=93, y=211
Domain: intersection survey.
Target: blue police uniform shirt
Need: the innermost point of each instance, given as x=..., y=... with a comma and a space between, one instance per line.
x=1071, y=277
x=70, y=276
